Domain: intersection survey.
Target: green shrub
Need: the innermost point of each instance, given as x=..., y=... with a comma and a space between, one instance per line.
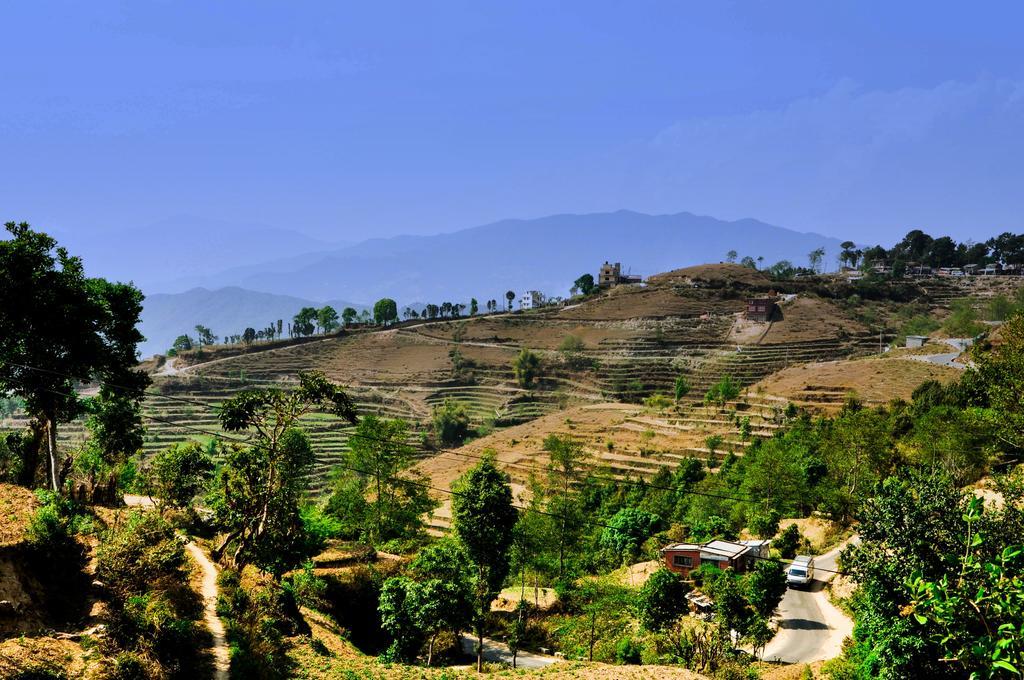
x=658, y=401
x=128, y=666
x=307, y=588
x=451, y=422
x=628, y=652
x=143, y=550
x=527, y=368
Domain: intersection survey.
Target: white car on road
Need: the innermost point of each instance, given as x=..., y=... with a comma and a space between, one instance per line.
x=801, y=572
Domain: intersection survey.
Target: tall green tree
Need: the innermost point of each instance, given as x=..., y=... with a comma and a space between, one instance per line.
x=911, y=526
x=327, y=318
x=349, y=316
x=178, y=474
x=205, y=335
x=585, y=284
x=484, y=520
x=304, y=323
x=59, y=329
x=260, y=486
x=662, y=600
x=385, y=311
x=565, y=471
x=380, y=455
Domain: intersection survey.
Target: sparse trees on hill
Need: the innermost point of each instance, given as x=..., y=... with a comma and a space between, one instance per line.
x=510, y=295
x=731, y=256
x=249, y=336
x=385, y=311
x=815, y=258
x=585, y=284
x=349, y=316
x=748, y=262
x=451, y=422
x=205, y=335
x=303, y=323
x=182, y=343
x=327, y=318
x=849, y=255
x=474, y=306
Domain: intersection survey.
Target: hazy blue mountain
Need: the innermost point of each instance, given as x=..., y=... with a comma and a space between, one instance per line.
x=544, y=254
x=226, y=311
x=157, y=255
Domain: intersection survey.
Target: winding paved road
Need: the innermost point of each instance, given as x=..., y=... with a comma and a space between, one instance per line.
x=811, y=628
x=498, y=652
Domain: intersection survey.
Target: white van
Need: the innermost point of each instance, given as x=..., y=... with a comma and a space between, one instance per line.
x=800, y=572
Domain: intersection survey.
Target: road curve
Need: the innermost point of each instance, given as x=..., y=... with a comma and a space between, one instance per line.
x=811, y=628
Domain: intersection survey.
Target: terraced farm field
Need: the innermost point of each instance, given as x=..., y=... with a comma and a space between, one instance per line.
x=634, y=341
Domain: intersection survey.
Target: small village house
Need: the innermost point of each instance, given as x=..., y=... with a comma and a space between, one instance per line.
x=761, y=310
x=682, y=558
x=916, y=340
x=531, y=300
x=610, y=275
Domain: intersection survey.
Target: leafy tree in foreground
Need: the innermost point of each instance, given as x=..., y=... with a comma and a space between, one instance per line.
x=261, y=485
x=565, y=471
x=59, y=328
x=626, y=532
x=662, y=600
x=977, y=611
x=444, y=593
x=379, y=454
x=484, y=519
x=911, y=527
x=178, y=474
x=765, y=585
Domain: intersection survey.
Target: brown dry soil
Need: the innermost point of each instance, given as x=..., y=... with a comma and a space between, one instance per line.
x=809, y=318
x=825, y=386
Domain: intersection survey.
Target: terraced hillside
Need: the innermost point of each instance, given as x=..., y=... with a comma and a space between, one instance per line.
x=631, y=342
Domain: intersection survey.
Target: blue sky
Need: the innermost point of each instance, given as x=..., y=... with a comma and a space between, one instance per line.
x=349, y=120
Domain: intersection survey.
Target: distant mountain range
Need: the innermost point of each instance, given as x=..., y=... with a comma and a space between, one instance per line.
x=157, y=256
x=545, y=254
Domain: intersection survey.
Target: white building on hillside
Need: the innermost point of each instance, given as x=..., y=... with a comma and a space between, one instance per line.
x=531, y=299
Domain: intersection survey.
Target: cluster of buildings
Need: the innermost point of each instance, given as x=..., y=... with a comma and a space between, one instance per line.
x=916, y=269
x=609, y=276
